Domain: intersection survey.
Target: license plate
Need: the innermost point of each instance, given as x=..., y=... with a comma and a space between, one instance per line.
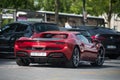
x=111, y=47
x=38, y=54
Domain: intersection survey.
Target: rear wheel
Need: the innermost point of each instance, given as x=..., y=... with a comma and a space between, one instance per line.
x=100, y=58
x=74, y=61
x=22, y=62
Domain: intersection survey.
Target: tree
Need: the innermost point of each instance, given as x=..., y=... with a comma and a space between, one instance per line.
x=103, y=7
x=76, y=7
x=93, y=7
x=17, y=4
x=56, y=11
x=64, y=5
x=39, y=4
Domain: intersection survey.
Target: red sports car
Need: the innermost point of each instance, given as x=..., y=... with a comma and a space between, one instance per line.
x=69, y=48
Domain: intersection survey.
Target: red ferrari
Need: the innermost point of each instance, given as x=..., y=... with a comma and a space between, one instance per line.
x=68, y=48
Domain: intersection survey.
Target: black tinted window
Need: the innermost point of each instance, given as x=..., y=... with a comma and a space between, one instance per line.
x=101, y=31
x=50, y=35
x=21, y=28
x=52, y=28
x=39, y=27
x=9, y=28
x=83, y=32
x=45, y=27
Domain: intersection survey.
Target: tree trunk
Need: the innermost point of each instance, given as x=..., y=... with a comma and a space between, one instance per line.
x=109, y=21
x=109, y=14
x=56, y=11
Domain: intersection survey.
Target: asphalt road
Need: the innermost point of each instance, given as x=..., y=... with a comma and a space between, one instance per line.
x=10, y=71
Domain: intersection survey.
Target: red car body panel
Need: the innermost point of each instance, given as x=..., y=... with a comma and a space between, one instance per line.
x=55, y=47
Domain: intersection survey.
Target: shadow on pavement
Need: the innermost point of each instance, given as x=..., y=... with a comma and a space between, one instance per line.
x=81, y=66
x=107, y=64
x=7, y=61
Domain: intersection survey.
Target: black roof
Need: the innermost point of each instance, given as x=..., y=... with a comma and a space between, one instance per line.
x=76, y=29
x=71, y=29
x=32, y=22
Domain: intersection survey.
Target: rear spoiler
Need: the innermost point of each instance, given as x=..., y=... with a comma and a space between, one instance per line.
x=46, y=39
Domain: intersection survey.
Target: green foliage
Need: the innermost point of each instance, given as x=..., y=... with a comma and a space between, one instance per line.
x=98, y=7
x=93, y=7
x=64, y=6
x=116, y=6
x=6, y=21
x=17, y=4
x=39, y=4
x=76, y=6
x=49, y=5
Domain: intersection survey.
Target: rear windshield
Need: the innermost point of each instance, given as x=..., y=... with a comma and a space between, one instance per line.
x=61, y=36
x=52, y=28
x=83, y=32
x=45, y=27
x=102, y=31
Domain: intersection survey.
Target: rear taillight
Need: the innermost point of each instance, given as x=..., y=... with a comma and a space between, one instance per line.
x=15, y=46
x=93, y=37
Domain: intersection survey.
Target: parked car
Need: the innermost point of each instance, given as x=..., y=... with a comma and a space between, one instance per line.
x=108, y=37
x=15, y=30
x=82, y=31
x=64, y=47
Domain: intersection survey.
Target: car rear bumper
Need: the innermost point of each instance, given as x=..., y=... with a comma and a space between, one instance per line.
x=46, y=60
x=6, y=51
x=113, y=52
x=52, y=58
x=7, y=55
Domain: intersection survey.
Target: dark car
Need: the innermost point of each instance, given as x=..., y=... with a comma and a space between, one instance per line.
x=108, y=37
x=82, y=31
x=64, y=47
x=15, y=30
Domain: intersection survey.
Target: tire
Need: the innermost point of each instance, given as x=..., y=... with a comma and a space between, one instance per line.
x=100, y=58
x=75, y=59
x=22, y=62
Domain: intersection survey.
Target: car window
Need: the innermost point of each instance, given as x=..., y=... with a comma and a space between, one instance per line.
x=85, y=33
x=49, y=35
x=21, y=28
x=101, y=31
x=82, y=38
x=9, y=28
x=61, y=36
x=39, y=27
x=51, y=28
